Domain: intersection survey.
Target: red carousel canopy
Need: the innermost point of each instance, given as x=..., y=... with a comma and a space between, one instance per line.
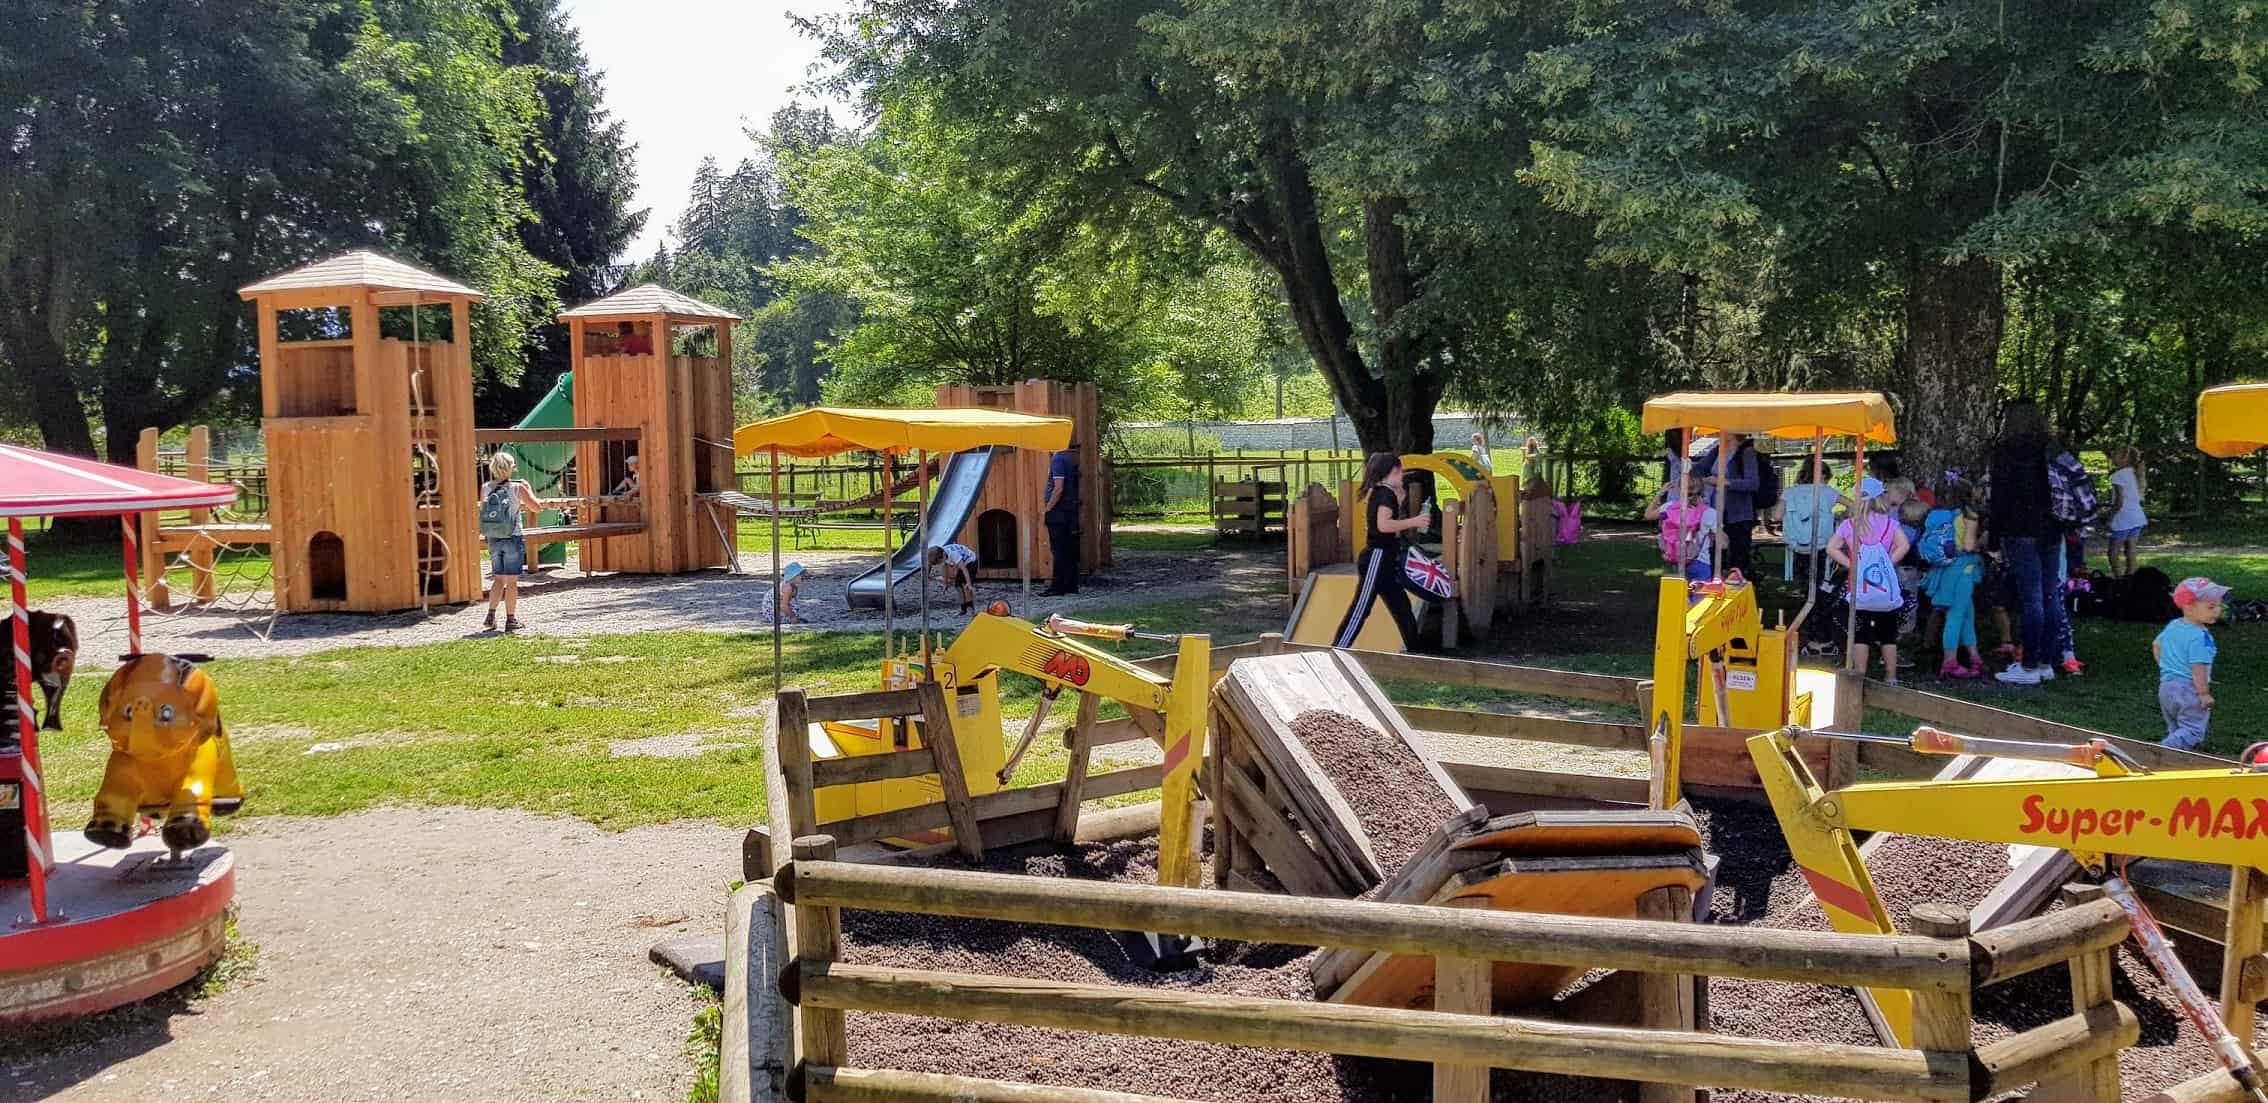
x=42, y=484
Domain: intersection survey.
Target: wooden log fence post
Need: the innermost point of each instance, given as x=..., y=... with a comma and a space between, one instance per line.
x=819, y=938
x=1666, y=1001
x=1942, y=1018
x=793, y=736
x=1850, y=716
x=1081, y=744
x=1461, y=986
x=2248, y=910
x=2091, y=975
x=155, y=593
x=945, y=752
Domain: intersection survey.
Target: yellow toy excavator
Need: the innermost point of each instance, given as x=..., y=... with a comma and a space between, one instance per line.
x=2218, y=816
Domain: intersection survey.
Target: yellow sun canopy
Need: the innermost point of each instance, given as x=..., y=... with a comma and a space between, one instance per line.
x=2232, y=421
x=826, y=430
x=1773, y=414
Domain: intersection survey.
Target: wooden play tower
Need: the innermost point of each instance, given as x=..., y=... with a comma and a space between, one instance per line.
x=1007, y=514
x=366, y=397
x=651, y=359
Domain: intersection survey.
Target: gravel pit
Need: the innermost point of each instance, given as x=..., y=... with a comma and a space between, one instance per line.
x=1392, y=793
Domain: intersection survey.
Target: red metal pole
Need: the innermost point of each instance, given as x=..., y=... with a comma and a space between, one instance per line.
x=129, y=522
x=35, y=802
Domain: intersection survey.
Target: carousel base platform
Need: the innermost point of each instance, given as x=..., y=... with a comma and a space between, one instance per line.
x=123, y=925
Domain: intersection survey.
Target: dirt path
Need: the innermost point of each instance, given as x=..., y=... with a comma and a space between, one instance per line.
x=432, y=954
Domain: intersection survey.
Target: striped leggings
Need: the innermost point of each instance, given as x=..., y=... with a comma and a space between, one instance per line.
x=1381, y=578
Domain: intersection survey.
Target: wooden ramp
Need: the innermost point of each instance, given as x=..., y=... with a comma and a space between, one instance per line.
x=1285, y=814
x=1322, y=605
x=1560, y=863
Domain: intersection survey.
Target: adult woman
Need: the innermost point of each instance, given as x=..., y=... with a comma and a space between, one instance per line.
x=1379, y=568
x=2020, y=522
x=505, y=502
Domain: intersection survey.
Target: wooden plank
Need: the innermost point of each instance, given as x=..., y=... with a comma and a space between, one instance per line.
x=864, y=768
x=1475, y=777
x=2047, y=1055
x=757, y=1045
x=1605, y=688
x=1534, y=727
x=937, y=732
x=2241, y=941
x=1279, y=846
x=1941, y=1019
x=1961, y=715
x=2093, y=974
x=1521, y=1044
x=1461, y=986
x=1007, y=802
x=822, y=1084
x=874, y=705
x=1079, y=740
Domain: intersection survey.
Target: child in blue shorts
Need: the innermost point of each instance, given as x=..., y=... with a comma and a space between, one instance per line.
x=2185, y=653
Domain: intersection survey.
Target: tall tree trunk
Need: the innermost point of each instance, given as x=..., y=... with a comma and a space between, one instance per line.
x=56, y=406
x=1954, y=317
x=1412, y=392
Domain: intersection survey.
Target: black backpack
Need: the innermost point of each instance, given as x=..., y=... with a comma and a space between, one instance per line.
x=2146, y=597
x=1767, y=483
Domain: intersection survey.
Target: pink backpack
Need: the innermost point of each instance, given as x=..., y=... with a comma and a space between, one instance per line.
x=1567, y=521
x=1679, y=522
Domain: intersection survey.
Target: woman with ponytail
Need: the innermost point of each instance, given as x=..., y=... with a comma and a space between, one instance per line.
x=1379, y=568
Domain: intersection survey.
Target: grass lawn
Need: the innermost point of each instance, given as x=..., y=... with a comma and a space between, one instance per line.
x=532, y=722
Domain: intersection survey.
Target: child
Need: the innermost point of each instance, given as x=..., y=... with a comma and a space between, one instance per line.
x=2127, y=520
x=1913, y=513
x=2185, y=653
x=1949, y=544
x=1689, y=529
x=1868, y=546
x=791, y=580
x=956, y=567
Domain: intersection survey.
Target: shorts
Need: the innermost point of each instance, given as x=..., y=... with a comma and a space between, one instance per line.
x=2127, y=534
x=1878, y=629
x=507, y=555
x=2184, y=714
x=1698, y=571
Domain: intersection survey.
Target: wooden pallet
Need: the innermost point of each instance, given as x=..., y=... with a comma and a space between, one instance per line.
x=1285, y=815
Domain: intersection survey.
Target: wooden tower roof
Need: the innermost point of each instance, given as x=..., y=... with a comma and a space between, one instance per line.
x=650, y=298
x=361, y=268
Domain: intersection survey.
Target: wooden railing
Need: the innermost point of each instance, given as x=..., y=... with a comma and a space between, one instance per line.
x=1941, y=965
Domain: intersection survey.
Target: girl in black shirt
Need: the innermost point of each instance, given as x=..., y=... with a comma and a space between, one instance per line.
x=1379, y=568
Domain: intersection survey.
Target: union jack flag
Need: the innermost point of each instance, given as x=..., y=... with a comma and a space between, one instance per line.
x=1427, y=573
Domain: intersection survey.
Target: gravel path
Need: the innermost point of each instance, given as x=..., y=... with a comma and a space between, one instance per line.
x=431, y=954
x=565, y=602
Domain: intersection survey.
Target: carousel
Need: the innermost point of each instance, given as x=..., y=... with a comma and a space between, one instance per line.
x=133, y=903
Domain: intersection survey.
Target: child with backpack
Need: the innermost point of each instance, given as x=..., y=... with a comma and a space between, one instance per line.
x=1689, y=529
x=2127, y=519
x=1869, y=545
x=1949, y=548
x=505, y=502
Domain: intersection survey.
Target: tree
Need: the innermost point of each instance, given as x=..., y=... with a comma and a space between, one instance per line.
x=579, y=177
x=1931, y=145
x=163, y=155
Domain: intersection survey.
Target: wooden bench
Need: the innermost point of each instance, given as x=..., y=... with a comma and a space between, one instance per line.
x=903, y=524
x=552, y=534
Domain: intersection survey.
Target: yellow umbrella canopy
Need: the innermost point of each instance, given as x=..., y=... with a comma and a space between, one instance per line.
x=2232, y=420
x=827, y=430
x=1864, y=414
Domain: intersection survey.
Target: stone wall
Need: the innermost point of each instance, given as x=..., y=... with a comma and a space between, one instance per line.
x=1451, y=432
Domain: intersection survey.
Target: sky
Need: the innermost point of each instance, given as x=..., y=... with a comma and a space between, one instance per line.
x=687, y=77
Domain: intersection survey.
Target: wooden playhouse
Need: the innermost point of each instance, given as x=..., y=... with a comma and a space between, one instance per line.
x=1006, y=518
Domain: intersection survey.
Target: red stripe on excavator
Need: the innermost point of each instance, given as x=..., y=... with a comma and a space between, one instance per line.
x=1836, y=894
x=1176, y=753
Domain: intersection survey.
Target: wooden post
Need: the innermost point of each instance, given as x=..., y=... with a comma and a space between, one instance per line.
x=2091, y=975
x=793, y=735
x=937, y=734
x=1666, y=1001
x=1461, y=986
x=1941, y=1019
x=1850, y=716
x=1082, y=748
x=155, y=593
x=2248, y=910
x=1449, y=608
x=819, y=938
x=199, y=459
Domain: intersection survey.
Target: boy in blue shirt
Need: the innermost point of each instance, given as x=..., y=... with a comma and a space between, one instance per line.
x=2185, y=654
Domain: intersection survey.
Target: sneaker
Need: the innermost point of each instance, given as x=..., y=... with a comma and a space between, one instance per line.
x=2072, y=666
x=1970, y=673
x=489, y=625
x=512, y=624
x=1952, y=669
x=2044, y=673
x=2017, y=676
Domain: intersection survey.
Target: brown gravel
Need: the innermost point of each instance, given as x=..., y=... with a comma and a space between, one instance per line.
x=1389, y=788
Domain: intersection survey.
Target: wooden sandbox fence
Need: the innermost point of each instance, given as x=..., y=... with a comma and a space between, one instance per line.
x=787, y=992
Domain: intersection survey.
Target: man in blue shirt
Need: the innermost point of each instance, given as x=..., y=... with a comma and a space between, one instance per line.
x=1061, y=511
x=2185, y=653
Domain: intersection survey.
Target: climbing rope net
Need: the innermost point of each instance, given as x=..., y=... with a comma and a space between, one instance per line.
x=224, y=577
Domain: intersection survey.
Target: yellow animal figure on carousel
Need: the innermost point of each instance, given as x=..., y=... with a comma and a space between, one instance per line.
x=169, y=755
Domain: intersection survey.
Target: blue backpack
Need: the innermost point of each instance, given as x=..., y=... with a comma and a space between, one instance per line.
x=1938, y=545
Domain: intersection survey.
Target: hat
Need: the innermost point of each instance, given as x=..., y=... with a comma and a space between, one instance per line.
x=794, y=571
x=2198, y=589
x=1870, y=487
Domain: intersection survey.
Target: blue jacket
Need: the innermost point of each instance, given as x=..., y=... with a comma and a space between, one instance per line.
x=1741, y=480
